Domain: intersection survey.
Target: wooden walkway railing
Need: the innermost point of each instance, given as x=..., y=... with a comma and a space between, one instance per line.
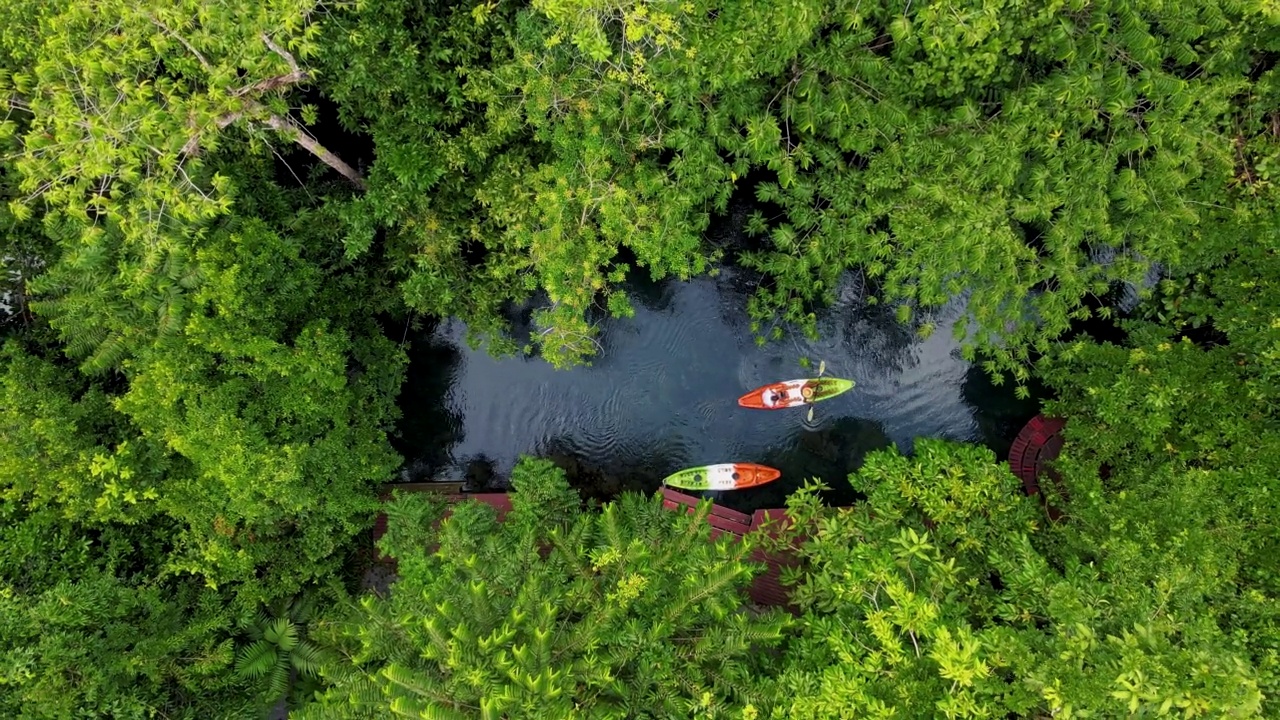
x=1032, y=453
x=767, y=588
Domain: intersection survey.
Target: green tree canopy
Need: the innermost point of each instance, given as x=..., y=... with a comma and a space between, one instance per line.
x=943, y=596
x=108, y=108
x=1028, y=155
x=1173, y=449
x=196, y=392
x=90, y=622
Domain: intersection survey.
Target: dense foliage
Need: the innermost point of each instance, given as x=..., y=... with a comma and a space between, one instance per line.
x=943, y=595
x=212, y=210
x=90, y=623
x=553, y=613
x=1173, y=461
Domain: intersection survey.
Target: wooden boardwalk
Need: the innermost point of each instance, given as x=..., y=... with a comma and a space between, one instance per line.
x=766, y=589
x=1035, y=447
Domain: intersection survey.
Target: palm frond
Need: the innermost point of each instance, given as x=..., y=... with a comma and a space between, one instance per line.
x=283, y=633
x=278, y=680
x=307, y=658
x=256, y=659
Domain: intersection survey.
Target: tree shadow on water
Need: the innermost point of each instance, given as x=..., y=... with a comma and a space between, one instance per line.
x=642, y=289
x=638, y=469
x=850, y=332
x=829, y=454
x=480, y=474
x=872, y=333
x=999, y=412
x=428, y=427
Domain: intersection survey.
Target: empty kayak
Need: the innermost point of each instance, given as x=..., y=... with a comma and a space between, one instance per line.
x=794, y=393
x=726, y=476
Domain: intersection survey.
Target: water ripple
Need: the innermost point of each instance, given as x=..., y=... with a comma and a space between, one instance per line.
x=664, y=393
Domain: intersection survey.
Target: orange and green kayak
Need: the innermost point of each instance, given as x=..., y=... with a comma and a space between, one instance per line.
x=794, y=393
x=725, y=476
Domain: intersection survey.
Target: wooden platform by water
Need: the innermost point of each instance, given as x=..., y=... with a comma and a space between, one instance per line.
x=1029, y=458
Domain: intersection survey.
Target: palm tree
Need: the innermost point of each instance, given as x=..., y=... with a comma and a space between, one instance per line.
x=278, y=651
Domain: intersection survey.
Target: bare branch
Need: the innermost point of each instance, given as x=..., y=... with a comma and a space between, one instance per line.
x=192, y=183
x=229, y=118
x=271, y=83
x=292, y=130
x=203, y=62
x=295, y=74
x=38, y=192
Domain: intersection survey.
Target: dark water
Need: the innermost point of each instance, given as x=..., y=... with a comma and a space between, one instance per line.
x=662, y=396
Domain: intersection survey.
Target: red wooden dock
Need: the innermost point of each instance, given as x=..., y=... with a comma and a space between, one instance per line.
x=1035, y=447
x=766, y=589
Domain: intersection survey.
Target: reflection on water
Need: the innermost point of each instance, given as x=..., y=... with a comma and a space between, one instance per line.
x=662, y=395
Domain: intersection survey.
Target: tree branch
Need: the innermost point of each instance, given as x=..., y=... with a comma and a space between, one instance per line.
x=294, y=132
x=282, y=124
x=203, y=62
x=295, y=74
x=291, y=129
x=271, y=83
x=288, y=56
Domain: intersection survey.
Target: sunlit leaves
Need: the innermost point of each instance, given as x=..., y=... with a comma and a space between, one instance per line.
x=1184, y=434
x=114, y=105
x=945, y=149
x=123, y=105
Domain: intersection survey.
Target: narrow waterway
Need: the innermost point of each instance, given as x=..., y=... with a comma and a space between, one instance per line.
x=663, y=392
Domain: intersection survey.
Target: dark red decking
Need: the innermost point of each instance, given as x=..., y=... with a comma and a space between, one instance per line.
x=1037, y=444
x=766, y=589
x=1035, y=447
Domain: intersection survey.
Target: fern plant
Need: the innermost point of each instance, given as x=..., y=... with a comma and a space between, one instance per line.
x=278, y=655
